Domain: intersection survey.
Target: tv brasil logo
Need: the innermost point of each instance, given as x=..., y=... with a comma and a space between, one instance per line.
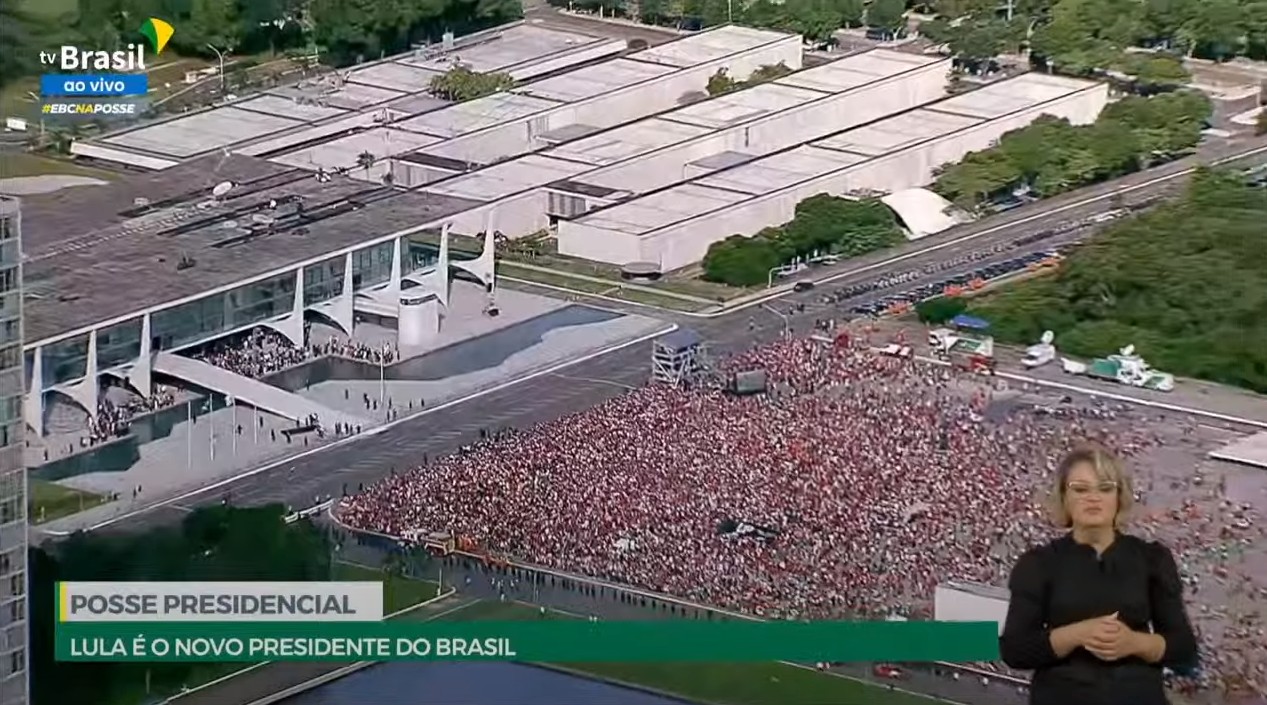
x=112, y=85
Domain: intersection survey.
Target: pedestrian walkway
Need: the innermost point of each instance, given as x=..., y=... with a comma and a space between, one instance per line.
x=252, y=392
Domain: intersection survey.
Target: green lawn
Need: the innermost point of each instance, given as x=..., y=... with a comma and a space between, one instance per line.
x=49, y=501
x=721, y=683
x=49, y=8
x=398, y=593
x=26, y=164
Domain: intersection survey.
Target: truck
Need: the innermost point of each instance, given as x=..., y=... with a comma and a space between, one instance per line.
x=1126, y=368
x=1040, y=354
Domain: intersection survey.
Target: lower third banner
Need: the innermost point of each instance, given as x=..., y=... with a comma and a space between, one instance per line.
x=543, y=641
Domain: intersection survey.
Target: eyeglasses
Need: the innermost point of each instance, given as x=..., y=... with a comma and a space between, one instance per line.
x=1082, y=489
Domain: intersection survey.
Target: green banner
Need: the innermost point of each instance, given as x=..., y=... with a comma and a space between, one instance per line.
x=543, y=641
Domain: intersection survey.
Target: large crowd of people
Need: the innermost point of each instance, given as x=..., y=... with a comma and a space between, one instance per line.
x=863, y=481
x=263, y=352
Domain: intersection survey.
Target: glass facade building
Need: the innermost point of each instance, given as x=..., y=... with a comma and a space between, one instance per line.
x=214, y=315
x=13, y=486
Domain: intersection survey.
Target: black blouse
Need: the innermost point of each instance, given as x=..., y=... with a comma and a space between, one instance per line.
x=1064, y=582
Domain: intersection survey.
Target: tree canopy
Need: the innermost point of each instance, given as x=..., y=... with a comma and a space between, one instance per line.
x=214, y=544
x=1185, y=283
x=822, y=224
x=460, y=83
x=345, y=30
x=721, y=82
x=1052, y=156
x=1093, y=36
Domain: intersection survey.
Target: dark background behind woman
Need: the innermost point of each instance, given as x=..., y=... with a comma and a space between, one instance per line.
x=1096, y=614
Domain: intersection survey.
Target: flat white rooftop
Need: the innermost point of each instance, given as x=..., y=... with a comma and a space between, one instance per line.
x=743, y=106
x=461, y=118
x=400, y=82
x=707, y=46
x=679, y=126
x=201, y=132
x=585, y=84
x=512, y=49
x=509, y=177
x=850, y=148
x=345, y=151
x=629, y=141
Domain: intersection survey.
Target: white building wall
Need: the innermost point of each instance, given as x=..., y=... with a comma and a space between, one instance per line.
x=686, y=242
x=599, y=244
x=517, y=216
x=801, y=124
x=615, y=108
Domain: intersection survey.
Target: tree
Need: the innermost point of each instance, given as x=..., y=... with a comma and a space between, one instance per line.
x=1052, y=156
x=940, y=309
x=1185, y=283
x=822, y=224
x=720, y=82
x=366, y=160
x=462, y=84
x=221, y=543
x=889, y=15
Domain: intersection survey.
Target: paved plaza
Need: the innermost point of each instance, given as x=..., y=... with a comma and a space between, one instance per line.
x=196, y=445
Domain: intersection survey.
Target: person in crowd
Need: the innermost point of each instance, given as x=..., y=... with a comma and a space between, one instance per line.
x=1096, y=613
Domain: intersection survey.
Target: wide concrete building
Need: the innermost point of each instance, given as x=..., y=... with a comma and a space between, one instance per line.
x=673, y=227
x=393, y=88
x=589, y=167
x=14, y=664
x=538, y=115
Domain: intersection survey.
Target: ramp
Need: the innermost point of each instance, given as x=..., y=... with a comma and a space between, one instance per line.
x=249, y=391
x=1249, y=450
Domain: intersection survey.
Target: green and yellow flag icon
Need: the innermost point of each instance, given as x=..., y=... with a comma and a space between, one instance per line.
x=158, y=32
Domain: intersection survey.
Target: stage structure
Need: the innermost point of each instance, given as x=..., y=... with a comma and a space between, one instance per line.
x=680, y=358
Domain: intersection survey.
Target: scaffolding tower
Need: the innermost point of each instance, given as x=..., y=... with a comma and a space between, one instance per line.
x=679, y=358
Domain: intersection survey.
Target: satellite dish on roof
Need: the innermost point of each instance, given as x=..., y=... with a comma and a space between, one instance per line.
x=222, y=188
x=1128, y=351
x=1048, y=336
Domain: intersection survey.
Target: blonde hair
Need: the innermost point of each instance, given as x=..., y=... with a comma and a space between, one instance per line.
x=1107, y=467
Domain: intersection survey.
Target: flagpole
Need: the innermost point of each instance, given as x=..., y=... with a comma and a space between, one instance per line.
x=189, y=430
x=234, y=430
x=211, y=423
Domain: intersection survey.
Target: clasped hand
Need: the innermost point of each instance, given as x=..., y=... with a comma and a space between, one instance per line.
x=1108, y=639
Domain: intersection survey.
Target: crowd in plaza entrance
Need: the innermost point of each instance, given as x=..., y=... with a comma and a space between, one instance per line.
x=264, y=352
x=871, y=478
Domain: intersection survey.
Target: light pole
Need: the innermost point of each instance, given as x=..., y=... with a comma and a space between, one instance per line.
x=219, y=56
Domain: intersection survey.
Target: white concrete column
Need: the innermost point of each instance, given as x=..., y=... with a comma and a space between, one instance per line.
x=33, y=403
x=483, y=267
x=345, y=306
x=141, y=376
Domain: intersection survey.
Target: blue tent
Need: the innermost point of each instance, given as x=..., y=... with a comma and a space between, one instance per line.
x=963, y=320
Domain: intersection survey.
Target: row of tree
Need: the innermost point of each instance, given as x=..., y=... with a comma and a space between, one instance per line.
x=345, y=31
x=1051, y=156
x=1185, y=283
x=213, y=544
x=817, y=20
x=1086, y=36
x=722, y=82
x=822, y=224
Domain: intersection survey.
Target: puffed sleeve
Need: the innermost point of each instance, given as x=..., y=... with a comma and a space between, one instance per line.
x=1026, y=640
x=1168, y=615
